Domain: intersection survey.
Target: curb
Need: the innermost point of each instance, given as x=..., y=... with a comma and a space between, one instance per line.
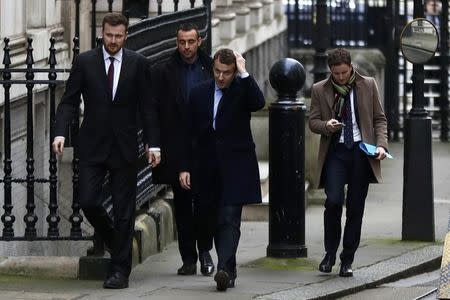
x=40, y=266
x=411, y=263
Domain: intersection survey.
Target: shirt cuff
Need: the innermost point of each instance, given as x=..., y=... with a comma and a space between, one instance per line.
x=59, y=137
x=244, y=75
x=154, y=149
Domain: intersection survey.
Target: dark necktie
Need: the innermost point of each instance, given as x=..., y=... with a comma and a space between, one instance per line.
x=111, y=76
x=348, y=128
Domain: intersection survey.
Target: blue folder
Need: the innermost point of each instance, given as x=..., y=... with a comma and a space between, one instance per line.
x=371, y=150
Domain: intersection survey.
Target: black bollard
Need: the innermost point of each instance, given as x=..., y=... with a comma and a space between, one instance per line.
x=418, y=199
x=287, y=162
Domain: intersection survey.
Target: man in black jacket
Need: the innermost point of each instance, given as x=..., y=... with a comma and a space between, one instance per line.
x=112, y=81
x=173, y=80
x=219, y=161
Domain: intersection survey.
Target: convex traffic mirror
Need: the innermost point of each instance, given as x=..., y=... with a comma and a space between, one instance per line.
x=418, y=41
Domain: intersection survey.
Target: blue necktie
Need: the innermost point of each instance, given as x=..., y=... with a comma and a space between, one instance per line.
x=348, y=129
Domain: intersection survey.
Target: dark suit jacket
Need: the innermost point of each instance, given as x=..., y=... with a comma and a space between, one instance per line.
x=172, y=106
x=108, y=123
x=229, y=150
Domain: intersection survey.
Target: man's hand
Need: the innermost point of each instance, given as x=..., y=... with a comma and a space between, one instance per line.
x=185, y=180
x=381, y=153
x=240, y=63
x=333, y=125
x=58, y=145
x=153, y=156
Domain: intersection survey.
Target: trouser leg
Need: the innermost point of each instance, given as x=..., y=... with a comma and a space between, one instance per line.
x=335, y=179
x=185, y=222
x=227, y=237
x=356, y=195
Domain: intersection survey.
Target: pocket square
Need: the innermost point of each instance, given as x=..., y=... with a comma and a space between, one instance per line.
x=371, y=150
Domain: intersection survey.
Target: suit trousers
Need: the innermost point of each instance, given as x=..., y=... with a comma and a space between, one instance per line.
x=351, y=167
x=118, y=233
x=226, y=237
x=190, y=235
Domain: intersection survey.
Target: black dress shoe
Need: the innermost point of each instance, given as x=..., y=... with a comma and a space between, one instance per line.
x=187, y=269
x=223, y=280
x=206, y=263
x=346, y=270
x=231, y=283
x=116, y=280
x=327, y=263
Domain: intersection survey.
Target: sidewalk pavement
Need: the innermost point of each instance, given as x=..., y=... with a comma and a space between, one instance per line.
x=382, y=256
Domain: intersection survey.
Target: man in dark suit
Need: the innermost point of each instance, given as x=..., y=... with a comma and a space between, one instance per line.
x=113, y=82
x=346, y=110
x=221, y=157
x=172, y=82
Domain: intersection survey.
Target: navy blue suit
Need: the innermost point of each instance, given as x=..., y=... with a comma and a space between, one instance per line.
x=222, y=161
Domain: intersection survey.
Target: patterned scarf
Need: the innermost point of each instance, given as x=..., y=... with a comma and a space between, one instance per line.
x=340, y=94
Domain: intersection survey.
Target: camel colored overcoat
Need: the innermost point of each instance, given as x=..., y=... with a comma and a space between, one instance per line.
x=371, y=119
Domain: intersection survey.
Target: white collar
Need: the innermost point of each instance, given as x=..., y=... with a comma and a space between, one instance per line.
x=117, y=56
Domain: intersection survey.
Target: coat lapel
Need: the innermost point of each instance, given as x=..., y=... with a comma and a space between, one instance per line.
x=228, y=94
x=101, y=70
x=124, y=70
x=329, y=95
x=211, y=91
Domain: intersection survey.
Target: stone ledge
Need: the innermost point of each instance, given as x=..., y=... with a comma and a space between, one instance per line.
x=40, y=266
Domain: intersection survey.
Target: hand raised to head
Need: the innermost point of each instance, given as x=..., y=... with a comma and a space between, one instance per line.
x=240, y=63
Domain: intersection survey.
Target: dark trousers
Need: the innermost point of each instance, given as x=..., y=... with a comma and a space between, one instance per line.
x=216, y=218
x=351, y=167
x=117, y=234
x=226, y=237
x=190, y=235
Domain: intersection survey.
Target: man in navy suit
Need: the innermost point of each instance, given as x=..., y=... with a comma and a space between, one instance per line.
x=220, y=163
x=114, y=84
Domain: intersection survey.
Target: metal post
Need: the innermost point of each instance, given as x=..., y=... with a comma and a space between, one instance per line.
x=7, y=218
x=207, y=3
x=418, y=209
x=391, y=99
x=287, y=162
x=75, y=218
x=52, y=218
x=320, y=41
x=30, y=217
x=93, y=23
x=443, y=101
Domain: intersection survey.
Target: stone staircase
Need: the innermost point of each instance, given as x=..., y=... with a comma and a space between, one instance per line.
x=260, y=212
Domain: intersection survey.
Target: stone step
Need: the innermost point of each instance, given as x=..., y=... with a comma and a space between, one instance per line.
x=260, y=212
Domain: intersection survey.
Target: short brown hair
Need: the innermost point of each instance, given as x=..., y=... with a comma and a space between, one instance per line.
x=115, y=19
x=188, y=27
x=225, y=56
x=339, y=56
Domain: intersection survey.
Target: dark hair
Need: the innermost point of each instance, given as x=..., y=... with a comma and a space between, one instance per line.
x=188, y=27
x=339, y=56
x=225, y=56
x=115, y=19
